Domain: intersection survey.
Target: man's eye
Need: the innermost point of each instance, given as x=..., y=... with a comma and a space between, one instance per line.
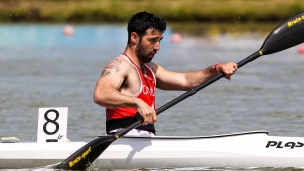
x=152, y=40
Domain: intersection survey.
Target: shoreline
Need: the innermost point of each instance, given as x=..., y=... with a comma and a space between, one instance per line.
x=119, y=11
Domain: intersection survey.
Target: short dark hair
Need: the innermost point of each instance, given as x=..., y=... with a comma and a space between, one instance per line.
x=142, y=21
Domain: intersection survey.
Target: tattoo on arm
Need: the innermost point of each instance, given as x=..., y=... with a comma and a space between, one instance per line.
x=112, y=66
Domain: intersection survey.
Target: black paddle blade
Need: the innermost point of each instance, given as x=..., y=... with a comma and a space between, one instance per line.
x=288, y=34
x=82, y=158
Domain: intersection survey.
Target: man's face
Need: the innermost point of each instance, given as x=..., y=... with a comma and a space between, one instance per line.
x=148, y=45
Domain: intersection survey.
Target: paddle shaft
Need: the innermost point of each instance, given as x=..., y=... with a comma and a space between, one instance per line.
x=188, y=94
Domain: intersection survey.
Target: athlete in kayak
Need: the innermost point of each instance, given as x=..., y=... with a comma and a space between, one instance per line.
x=126, y=87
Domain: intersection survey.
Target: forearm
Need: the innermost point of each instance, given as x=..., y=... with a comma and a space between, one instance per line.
x=167, y=80
x=197, y=77
x=114, y=99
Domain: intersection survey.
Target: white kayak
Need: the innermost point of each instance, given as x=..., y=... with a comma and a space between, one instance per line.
x=247, y=149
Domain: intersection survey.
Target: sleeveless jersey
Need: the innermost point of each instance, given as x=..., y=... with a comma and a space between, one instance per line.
x=146, y=93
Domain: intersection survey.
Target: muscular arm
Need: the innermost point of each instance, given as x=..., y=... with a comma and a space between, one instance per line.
x=167, y=80
x=107, y=92
x=113, y=91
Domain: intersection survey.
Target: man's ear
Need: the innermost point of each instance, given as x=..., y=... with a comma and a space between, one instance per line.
x=134, y=38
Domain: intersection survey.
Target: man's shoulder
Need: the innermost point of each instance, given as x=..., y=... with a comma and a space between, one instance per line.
x=120, y=57
x=121, y=60
x=152, y=65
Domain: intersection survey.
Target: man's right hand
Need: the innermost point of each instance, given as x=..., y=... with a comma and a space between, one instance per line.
x=147, y=112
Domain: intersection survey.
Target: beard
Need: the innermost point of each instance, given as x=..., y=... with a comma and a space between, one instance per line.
x=142, y=55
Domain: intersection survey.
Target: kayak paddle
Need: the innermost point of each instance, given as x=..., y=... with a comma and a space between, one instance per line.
x=288, y=34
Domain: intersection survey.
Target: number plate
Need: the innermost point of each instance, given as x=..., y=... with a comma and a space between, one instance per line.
x=52, y=125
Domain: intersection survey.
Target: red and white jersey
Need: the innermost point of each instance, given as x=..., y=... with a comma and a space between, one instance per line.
x=146, y=93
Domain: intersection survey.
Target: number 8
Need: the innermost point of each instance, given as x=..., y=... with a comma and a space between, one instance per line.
x=51, y=121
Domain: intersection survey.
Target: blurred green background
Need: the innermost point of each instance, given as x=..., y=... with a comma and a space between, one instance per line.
x=112, y=11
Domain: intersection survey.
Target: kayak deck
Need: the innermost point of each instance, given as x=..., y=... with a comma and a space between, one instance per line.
x=246, y=149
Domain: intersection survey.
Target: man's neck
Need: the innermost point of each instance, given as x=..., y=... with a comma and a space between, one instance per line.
x=130, y=52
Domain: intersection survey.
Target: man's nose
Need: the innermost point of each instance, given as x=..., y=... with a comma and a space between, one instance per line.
x=156, y=46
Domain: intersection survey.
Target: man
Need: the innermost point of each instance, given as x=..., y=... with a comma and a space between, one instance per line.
x=127, y=83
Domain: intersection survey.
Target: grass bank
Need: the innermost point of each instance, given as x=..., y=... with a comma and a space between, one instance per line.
x=98, y=11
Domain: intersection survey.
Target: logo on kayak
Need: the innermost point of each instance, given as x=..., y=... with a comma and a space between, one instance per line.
x=82, y=156
x=281, y=144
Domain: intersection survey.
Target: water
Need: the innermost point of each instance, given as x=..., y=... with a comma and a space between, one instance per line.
x=40, y=67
